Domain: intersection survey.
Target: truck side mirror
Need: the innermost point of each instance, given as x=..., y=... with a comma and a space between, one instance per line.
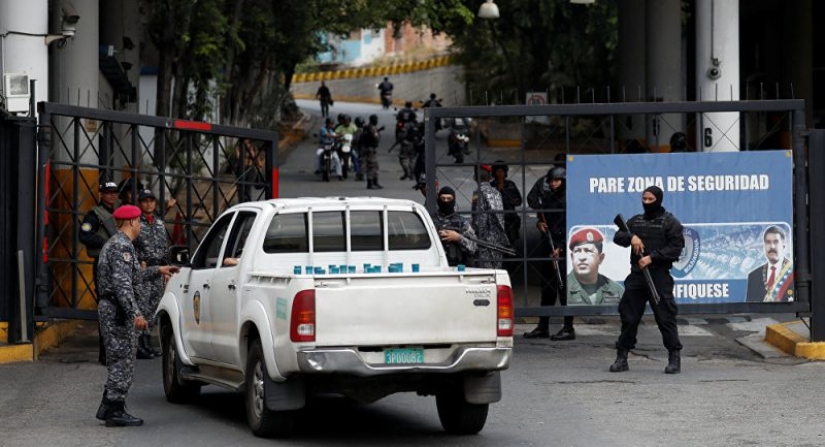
x=179, y=255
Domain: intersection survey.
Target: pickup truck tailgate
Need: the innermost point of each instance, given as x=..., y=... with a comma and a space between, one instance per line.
x=395, y=309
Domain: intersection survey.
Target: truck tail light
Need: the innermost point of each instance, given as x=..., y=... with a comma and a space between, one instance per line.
x=505, y=311
x=302, y=324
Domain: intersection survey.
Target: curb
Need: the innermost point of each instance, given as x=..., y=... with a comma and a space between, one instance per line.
x=788, y=337
x=371, y=72
x=48, y=336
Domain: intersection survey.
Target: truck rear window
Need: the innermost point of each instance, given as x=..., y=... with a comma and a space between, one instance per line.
x=287, y=233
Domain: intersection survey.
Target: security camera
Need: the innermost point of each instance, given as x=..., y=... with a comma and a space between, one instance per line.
x=70, y=15
x=714, y=73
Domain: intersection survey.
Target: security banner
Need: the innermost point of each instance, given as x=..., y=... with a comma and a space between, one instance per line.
x=736, y=209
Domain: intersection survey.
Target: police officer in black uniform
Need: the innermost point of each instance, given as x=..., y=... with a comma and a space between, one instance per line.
x=657, y=241
x=97, y=227
x=550, y=194
x=455, y=231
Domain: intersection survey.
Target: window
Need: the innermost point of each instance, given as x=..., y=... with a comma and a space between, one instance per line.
x=365, y=231
x=328, y=232
x=210, y=248
x=287, y=233
x=407, y=231
x=240, y=231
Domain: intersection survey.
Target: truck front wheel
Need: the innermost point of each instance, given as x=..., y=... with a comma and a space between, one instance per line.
x=264, y=422
x=457, y=416
x=177, y=390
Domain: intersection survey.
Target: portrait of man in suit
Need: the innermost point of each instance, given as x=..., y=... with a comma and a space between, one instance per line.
x=772, y=281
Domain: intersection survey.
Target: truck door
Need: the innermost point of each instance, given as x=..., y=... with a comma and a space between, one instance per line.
x=198, y=322
x=226, y=294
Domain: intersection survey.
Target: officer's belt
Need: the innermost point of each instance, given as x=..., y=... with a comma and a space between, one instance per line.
x=155, y=262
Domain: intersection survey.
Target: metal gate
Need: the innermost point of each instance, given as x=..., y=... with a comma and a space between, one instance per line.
x=17, y=208
x=195, y=169
x=545, y=135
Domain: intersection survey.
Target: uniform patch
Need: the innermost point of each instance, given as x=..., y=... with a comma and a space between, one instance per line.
x=127, y=257
x=86, y=227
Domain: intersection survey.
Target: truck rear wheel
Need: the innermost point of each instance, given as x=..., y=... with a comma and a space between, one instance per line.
x=177, y=390
x=263, y=421
x=459, y=417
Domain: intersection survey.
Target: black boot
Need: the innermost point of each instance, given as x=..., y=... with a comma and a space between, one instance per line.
x=674, y=362
x=103, y=409
x=148, y=343
x=143, y=352
x=566, y=333
x=538, y=332
x=621, y=361
x=375, y=184
x=118, y=417
x=369, y=184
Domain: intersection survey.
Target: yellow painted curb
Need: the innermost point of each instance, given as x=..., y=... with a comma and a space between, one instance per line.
x=17, y=353
x=352, y=73
x=791, y=342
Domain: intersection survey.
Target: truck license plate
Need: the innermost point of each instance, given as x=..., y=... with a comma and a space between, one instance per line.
x=403, y=356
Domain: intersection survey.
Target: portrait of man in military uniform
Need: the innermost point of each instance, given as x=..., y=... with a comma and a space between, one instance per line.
x=585, y=285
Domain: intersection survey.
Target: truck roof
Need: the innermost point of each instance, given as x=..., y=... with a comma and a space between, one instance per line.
x=301, y=202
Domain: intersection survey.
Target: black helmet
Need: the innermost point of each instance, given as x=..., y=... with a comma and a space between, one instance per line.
x=328, y=121
x=359, y=122
x=373, y=119
x=432, y=95
x=500, y=164
x=408, y=104
x=557, y=173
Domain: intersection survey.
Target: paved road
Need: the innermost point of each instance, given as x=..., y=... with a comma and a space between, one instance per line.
x=555, y=394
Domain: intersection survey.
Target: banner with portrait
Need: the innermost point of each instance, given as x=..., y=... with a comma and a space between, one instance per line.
x=736, y=209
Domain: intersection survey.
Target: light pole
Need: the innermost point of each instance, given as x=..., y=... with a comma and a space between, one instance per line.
x=489, y=11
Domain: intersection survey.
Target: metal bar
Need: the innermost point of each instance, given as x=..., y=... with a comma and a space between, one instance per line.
x=153, y=121
x=21, y=284
x=429, y=160
x=618, y=108
x=75, y=200
x=687, y=309
x=42, y=285
x=190, y=233
x=802, y=266
x=817, y=231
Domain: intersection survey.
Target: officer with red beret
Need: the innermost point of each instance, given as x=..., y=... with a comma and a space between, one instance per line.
x=119, y=275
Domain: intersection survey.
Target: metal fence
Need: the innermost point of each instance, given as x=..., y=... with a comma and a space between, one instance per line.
x=195, y=169
x=533, y=138
x=18, y=159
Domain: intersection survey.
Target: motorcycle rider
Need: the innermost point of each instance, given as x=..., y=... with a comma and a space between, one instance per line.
x=385, y=95
x=346, y=127
x=326, y=138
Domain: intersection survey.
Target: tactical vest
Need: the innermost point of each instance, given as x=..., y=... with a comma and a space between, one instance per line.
x=455, y=255
x=653, y=232
x=106, y=229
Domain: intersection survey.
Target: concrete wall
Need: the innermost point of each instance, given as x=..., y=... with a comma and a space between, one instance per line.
x=446, y=82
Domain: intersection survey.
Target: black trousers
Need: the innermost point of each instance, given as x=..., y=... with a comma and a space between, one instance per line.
x=551, y=290
x=632, y=307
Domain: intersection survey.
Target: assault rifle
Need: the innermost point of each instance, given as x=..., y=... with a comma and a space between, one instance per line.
x=559, y=278
x=654, y=294
x=501, y=249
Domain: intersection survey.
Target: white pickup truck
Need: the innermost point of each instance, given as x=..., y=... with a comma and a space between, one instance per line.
x=282, y=300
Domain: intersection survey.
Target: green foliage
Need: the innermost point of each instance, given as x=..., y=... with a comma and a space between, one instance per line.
x=246, y=51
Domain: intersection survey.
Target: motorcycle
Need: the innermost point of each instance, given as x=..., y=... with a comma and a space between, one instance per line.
x=346, y=153
x=326, y=161
x=458, y=141
x=386, y=100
